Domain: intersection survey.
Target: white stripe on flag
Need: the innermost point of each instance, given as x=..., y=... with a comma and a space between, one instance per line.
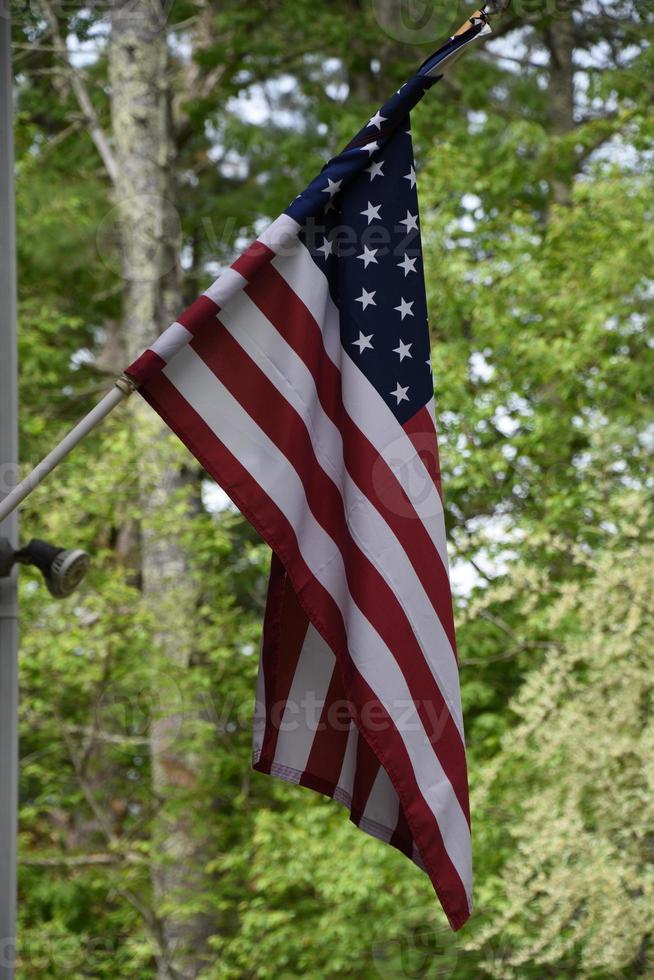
x=383, y=806
x=170, y=341
x=348, y=769
x=226, y=285
x=301, y=715
x=259, y=722
x=280, y=235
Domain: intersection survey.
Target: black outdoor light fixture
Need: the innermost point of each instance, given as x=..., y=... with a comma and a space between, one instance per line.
x=63, y=569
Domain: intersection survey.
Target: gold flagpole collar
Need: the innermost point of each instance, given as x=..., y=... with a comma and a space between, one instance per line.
x=126, y=384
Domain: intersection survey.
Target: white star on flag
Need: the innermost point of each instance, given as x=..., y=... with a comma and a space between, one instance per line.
x=327, y=247
x=368, y=256
x=333, y=187
x=404, y=350
x=411, y=176
x=411, y=221
x=371, y=147
x=377, y=120
x=366, y=299
x=400, y=393
x=404, y=309
x=409, y=265
x=372, y=212
x=363, y=343
x=375, y=169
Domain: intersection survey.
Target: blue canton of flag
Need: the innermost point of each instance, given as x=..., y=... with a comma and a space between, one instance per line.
x=366, y=238
x=369, y=248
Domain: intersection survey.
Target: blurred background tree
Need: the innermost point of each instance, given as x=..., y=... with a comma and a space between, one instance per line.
x=153, y=140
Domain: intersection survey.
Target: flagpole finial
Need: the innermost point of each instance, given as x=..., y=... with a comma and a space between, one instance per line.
x=491, y=9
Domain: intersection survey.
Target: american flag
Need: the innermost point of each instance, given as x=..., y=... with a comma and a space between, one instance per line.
x=301, y=380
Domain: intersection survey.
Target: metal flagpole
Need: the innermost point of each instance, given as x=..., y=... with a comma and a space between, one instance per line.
x=8, y=465
x=123, y=387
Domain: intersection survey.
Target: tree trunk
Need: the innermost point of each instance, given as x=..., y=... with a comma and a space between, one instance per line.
x=150, y=237
x=560, y=40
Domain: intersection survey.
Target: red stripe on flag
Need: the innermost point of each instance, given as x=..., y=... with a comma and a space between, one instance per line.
x=402, y=835
x=282, y=645
x=330, y=741
x=270, y=633
x=145, y=367
x=255, y=255
x=367, y=768
x=421, y=430
x=198, y=314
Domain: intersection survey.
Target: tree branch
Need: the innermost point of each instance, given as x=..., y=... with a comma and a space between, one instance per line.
x=84, y=860
x=150, y=917
x=79, y=89
x=93, y=734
